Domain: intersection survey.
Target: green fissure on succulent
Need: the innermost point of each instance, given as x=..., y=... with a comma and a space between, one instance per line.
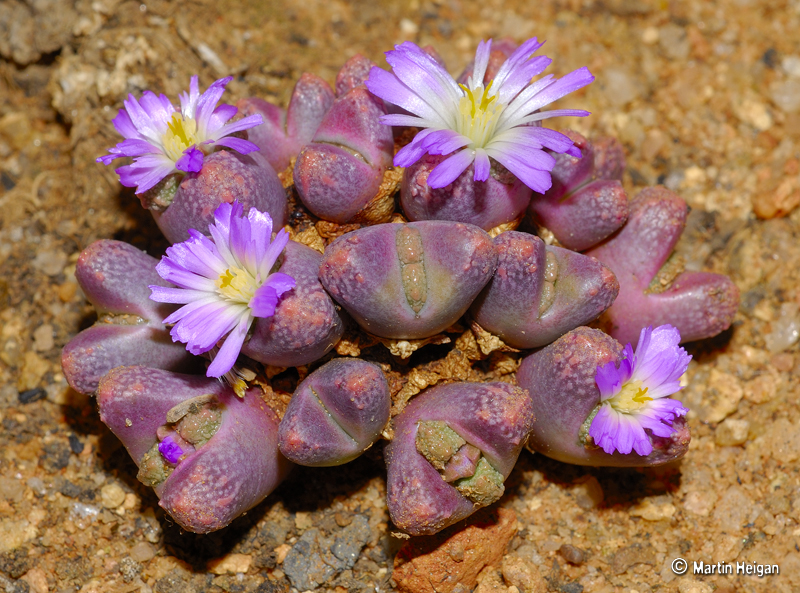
x=153, y=470
x=483, y=487
x=549, y=284
x=195, y=421
x=412, y=265
x=459, y=462
x=437, y=442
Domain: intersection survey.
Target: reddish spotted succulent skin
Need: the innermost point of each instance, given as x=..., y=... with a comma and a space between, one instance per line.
x=498, y=200
x=285, y=131
x=354, y=72
x=306, y=323
x=226, y=176
x=341, y=170
x=561, y=382
x=335, y=414
x=236, y=469
x=494, y=417
x=586, y=203
x=408, y=281
x=575, y=290
x=115, y=276
x=699, y=304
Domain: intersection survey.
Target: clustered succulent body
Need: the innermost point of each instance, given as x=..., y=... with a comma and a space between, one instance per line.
x=235, y=292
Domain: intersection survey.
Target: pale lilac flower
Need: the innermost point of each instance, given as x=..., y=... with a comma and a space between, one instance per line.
x=224, y=282
x=171, y=450
x=634, y=397
x=163, y=140
x=474, y=122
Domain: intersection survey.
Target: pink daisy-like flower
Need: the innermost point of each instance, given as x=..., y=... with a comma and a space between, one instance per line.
x=223, y=282
x=634, y=396
x=473, y=122
x=162, y=140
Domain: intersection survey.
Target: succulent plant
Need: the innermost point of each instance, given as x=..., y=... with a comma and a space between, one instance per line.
x=339, y=173
x=284, y=131
x=454, y=445
x=563, y=382
x=586, y=203
x=540, y=292
x=225, y=177
x=474, y=150
x=306, y=323
x=208, y=454
x=483, y=129
x=654, y=289
x=335, y=414
x=409, y=280
x=114, y=277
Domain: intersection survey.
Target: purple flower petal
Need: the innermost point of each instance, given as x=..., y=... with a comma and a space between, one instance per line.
x=449, y=169
x=171, y=450
x=159, y=150
x=634, y=395
x=191, y=161
x=214, y=279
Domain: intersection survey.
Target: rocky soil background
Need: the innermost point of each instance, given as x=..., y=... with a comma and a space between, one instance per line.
x=705, y=97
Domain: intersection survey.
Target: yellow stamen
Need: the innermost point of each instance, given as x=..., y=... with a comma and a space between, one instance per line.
x=181, y=134
x=632, y=397
x=479, y=111
x=237, y=285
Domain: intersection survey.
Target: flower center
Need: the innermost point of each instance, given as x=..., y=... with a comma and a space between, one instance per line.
x=632, y=397
x=479, y=112
x=237, y=285
x=181, y=134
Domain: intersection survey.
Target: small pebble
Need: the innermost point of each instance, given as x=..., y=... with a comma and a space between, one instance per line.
x=43, y=338
x=230, y=564
x=75, y=444
x=589, y=494
x=112, y=495
x=142, y=552
x=572, y=554
x=732, y=432
x=129, y=569
x=31, y=395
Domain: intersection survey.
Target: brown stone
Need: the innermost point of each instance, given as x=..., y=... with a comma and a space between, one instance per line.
x=455, y=556
x=523, y=575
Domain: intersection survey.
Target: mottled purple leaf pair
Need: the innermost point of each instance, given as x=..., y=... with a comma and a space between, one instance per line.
x=594, y=399
x=227, y=283
x=209, y=454
x=483, y=136
x=178, y=171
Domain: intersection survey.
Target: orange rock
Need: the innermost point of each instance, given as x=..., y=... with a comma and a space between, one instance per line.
x=451, y=559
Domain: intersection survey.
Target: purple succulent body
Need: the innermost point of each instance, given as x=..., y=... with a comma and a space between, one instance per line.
x=114, y=276
x=500, y=199
x=306, y=323
x=341, y=170
x=223, y=283
x=495, y=418
x=562, y=382
x=226, y=177
x=477, y=121
x=218, y=480
x=284, y=132
x=335, y=414
x=408, y=281
x=587, y=202
x=698, y=304
x=354, y=73
x=164, y=141
x=634, y=394
x=539, y=293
